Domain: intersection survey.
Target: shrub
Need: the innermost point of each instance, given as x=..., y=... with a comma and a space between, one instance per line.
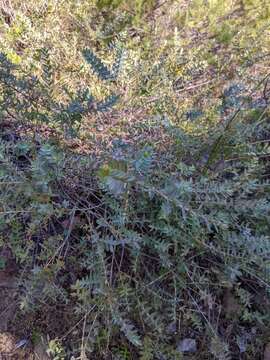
x=154, y=244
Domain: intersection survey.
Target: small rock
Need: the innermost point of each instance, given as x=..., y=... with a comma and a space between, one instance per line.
x=187, y=345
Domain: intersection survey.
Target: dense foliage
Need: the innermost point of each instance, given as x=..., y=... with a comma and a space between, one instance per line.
x=134, y=176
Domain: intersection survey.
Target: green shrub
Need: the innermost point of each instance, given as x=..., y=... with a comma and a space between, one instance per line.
x=136, y=251
x=125, y=254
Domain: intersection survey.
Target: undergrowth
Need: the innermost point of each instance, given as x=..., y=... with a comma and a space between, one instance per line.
x=162, y=239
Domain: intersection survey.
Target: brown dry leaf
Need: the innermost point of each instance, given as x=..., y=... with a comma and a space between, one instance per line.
x=7, y=343
x=9, y=349
x=266, y=355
